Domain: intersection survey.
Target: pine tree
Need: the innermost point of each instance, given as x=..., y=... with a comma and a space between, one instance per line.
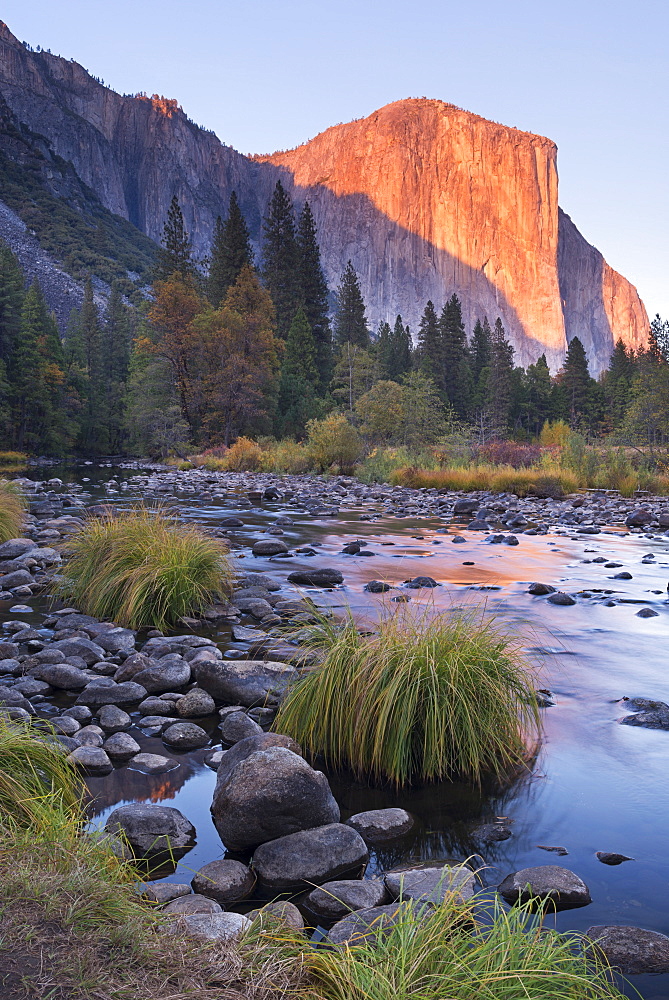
x=314, y=293
x=539, y=395
x=617, y=383
x=480, y=356
x=350, y=319
x=401, y=350
x=501, y=378
x=456, y=377
x=176, y=253
x=300, y=378
x=575, y=382
x=12, y=292
x=430, y=349
x=230, y=251
x=384, y=351
x=115, y=339
x=281, y=259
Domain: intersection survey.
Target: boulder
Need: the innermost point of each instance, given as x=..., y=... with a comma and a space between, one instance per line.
x=116, y=640
x=334, y=900
x=270, y=793
x=421, y=583
x=132, y=665
x=377, y=587
x=225, y=881
x=97, y=695
x=364, y=925
x=269, y=547
x=639, y=518
x=240, y=751
x=195, y=705
x=165, y=892
x=430, y=884
x=560, y=885
x=151, y=829
x=245, y=682
x=211, y=926
x=113, y=719
x=379, y=825
x=63, y=676
x=89, y=651
x=152, y=763
x=631, y=950
x=19, y=578
x=540, y=589
x=121, y=747
x=310, y=857
x=185, y=736
x=282, y=911
x=560, y=598
x=238, y=726
x=465, y=506
x=192, y=904
x=91, y=760
x=316, y=578
x=14, y=548
x=166, y=674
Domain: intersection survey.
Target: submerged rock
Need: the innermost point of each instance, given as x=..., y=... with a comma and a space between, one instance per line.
x=151, y=829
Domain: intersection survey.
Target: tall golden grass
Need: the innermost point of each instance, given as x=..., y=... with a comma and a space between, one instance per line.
x=426, y=697
x=12, y=510
x=141, y=568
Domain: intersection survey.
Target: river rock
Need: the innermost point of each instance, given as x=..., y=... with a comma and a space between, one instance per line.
x=300, y=860
x=225, y=881
x=97, y=695
x=647, y=613
x=639, y=518
x=269, y=547
x=334, y=900
x=62, y=676
x=152, y=763
x=632, y=950
x=14, y=548
x=240, y=751
x=65, y=725
x=377, y=587
x=238, y=726
x=92, y=761
x=364, y=925
x=465, y=506
x=19, y=578
x=88, y=650
x=132, y=665
x=430, y=884
x=540, y=589
x=608, y=858
x=166, y=674
x=113, y=719
x=211, y=926
x=153, y=705
x=560, y=598
x=192, y=903
x=379, y=825
x=90, y=736
x=281, y=910
x=195, y=705
x=165, y=892
x=269, y=794
x=185, y=736
x=316, y=578
x=151, y=829
x=115, y=640
x=245, y=682
x=560, y=885
x=421, y=583
x=121, y=746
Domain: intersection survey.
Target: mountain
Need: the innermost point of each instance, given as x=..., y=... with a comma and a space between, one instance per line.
x=424, y=198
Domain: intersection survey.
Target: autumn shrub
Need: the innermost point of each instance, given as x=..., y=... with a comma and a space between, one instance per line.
x=554, y=432
x=287, y=456
x=13, y=458
x=333, y=441
x=141, y=568
x=425, y=697
x=12, y=510
x=245, y=455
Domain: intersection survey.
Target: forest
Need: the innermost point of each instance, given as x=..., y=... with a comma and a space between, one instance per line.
x=237, y=347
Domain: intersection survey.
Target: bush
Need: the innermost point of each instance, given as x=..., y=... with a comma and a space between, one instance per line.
x=244, y=456
x=554, y=433
x=434, y=954
x=286, y=456
x=11, y=510
x=141, y=568
x=518, y=456
x=427, y=697
x=333, y=441
x=16, y=458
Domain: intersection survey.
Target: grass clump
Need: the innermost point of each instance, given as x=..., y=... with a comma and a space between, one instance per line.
x=426, y=697
x=141, y=568
x=12, y=510
x=537, y=481
x=13, y=458
x=451, y=952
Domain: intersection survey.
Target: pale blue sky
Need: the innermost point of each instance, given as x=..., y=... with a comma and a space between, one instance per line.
x=268, y=74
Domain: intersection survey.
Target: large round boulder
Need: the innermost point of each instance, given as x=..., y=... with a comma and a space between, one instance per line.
x=379, y=825
x=169, y=673
x=632, y=950
x=334, y=900
x=185, y=736
x=269, y=794
x=151, y=829
x=225, y=880
x=562, y=886
x=97, y=695
x=431, y=884
x=245, y=682
x=364, y=926
x=301, y=860
x=211, y=926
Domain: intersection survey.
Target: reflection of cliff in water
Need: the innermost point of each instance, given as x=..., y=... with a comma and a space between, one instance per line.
x=127, y=785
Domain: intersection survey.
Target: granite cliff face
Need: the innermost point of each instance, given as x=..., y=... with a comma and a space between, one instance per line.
x=424, y=198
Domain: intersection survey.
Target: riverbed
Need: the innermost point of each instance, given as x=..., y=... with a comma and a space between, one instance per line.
x=596, y=785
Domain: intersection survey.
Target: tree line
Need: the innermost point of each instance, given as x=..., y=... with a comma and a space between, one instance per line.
x=235, y=345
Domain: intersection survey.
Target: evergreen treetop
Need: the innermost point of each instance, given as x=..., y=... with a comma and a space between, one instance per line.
x=176, y=252
x=314, y=291
x=351, y=321
x=230, y=251
x=281, y=258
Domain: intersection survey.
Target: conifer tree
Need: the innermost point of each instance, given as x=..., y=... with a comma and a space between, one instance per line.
x=501, y=378
x=575, y=382
x=401, y=350
x=281, y=259
x=350, y=320
x=430, y=346
x=300, y=379
x=384, y=351
x=230, y=251
x=115, y=339
x=480, y=353
x=12, y=292
x=540, y=395
x=456, y=377
x=176, y=253
x=617, y=382
x=314, y=291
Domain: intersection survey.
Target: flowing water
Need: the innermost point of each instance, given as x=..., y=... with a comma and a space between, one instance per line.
x=595, y=786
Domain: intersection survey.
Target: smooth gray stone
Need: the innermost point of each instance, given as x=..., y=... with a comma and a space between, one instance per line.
x=560, y=885
x=309, y=857
x=431, y=884
x=224, y=880
x=632, y=950
x=379, y=825
x=334, y=900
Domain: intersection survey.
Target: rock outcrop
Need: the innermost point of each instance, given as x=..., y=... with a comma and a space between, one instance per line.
x=426, y=199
